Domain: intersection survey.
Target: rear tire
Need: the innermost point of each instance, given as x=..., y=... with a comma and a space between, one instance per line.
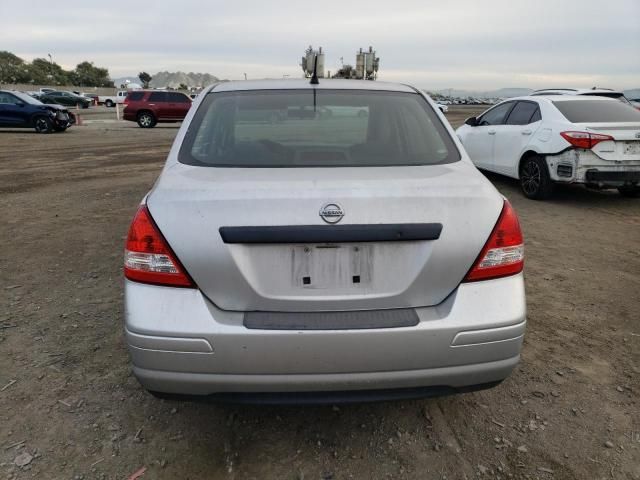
x=42, y=125
x=535, y=181
x=146, y=120
x=108, y=103
x=631, y=191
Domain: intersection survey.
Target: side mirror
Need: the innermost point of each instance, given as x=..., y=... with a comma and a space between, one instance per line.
x=471, y=121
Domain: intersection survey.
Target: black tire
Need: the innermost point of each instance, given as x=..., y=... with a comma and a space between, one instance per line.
x=146, y=120
x=42, y=124
x=631, y=191
x=109, y=104
x=535, y=181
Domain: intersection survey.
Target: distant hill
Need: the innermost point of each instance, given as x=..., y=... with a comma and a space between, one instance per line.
x=632, y=93
x=510, y=92
x=174, y=79
x=500, y=93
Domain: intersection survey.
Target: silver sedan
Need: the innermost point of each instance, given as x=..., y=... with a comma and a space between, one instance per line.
x=315, y=243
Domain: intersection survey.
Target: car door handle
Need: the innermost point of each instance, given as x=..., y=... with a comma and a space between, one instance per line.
x=151, y=104
x=491, y=132
x=526, y=132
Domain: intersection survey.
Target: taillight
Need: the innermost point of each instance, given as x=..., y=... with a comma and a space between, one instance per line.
x=585, y=139
x=503, y=254
x=148, y=257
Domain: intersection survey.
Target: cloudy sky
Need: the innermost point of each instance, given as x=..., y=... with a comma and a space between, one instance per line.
x=473, y=44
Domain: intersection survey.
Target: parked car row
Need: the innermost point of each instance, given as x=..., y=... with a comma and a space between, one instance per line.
x=61, y=97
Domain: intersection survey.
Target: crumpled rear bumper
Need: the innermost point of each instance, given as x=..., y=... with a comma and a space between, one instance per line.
x=585, y=167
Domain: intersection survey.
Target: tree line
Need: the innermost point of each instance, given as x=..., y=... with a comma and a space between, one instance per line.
x=41, y=71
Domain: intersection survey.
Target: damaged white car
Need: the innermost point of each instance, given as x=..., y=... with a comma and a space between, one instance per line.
x=545, y=140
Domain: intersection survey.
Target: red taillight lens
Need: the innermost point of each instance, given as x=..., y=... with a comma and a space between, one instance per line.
x=147, y=256
x=585, y=139
x=503, y=254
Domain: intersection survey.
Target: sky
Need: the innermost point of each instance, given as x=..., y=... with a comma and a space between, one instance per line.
x=463, y=44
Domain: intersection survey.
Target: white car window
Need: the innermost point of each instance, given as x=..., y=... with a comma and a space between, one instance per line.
x=522, y=113
x=496, y=115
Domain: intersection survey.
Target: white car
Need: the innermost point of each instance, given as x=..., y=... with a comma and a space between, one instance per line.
x=543, y=140
x=443, y=107
x=112, y=100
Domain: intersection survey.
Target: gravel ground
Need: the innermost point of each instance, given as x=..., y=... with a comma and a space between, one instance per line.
x=70, y=409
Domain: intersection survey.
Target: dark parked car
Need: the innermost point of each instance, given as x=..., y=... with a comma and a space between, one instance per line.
x=18, y=109
x=148, y=107
x=69, y=99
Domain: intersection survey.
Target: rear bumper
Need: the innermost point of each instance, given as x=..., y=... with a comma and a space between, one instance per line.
x=180, y=343
x=613, y=177
x=585, y=167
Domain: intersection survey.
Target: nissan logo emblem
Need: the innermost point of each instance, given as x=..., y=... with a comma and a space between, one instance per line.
x=331, y=213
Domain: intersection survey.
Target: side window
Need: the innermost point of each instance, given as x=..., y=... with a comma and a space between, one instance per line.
x=536, y=117
x=158, y=97
x=177, y=97
x=496, y=115
x=7, y=99
x=522, y=113
x=135, y=96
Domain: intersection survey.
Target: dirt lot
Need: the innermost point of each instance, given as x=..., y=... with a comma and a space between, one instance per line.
x=70, y=409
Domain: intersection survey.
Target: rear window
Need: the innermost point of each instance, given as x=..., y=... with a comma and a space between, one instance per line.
x=616, y=95
x=597, y=111
x=135, y=96
x=325, y=128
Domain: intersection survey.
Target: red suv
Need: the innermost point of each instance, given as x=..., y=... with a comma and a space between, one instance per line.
x=148, y=107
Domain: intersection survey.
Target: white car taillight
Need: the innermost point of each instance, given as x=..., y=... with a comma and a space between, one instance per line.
x=503, y=254
x=585, y=140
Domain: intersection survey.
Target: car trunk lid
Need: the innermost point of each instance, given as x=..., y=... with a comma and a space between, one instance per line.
x=328, y=273
x=626, y=144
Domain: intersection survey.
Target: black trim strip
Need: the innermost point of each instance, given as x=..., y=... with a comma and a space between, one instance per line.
x=326, y=397
x=396, y=232
x=350, y=320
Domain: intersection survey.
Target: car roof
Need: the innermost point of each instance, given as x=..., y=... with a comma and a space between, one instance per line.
x=304, y=83
x=563, y=98
x=578, y=91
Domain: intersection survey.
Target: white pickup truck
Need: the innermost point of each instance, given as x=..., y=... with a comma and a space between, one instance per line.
x=111, y=100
